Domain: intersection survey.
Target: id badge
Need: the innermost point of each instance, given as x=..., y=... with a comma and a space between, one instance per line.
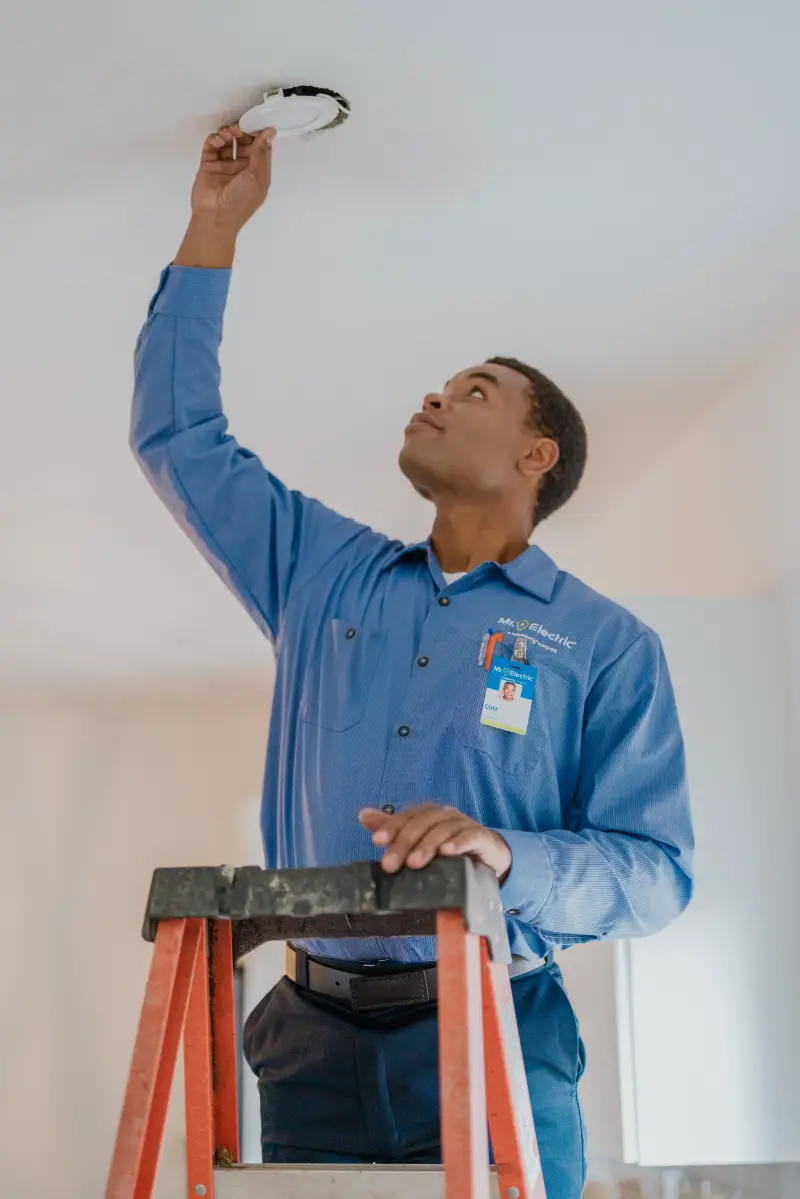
x=509, y=697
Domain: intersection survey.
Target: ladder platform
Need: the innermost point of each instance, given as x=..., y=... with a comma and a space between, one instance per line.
x=327, y=1182
x=359, y=900
x=201, y=919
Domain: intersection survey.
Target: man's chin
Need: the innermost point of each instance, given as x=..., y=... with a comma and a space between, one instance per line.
x=420, y=474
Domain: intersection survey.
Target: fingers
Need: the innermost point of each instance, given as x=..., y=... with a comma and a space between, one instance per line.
x=464, y=840
x=372, y=819
x=439, y=835
x=219, y=142
x=406, y=839
x=413, y=838
x=482, y=843
x=262, y=145
x=385, y=825
x=227, y=168
x=229, y=143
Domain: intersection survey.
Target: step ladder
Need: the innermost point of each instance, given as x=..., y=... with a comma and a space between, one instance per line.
x=201, y=920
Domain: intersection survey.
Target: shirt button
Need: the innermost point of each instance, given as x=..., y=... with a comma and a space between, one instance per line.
x=403, y=731
x=423, y=661
x=350, y=634
x=444, y=601
x=388, y=808
x=512, y=912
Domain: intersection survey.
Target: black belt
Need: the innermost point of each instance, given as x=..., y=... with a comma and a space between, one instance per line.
x=364, y=990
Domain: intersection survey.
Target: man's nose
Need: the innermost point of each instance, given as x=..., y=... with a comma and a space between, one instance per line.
x=434, y=401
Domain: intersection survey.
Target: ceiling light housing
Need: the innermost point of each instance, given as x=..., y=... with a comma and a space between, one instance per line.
x=296, y=111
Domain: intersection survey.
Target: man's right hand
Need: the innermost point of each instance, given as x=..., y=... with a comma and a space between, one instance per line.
x=226, y=193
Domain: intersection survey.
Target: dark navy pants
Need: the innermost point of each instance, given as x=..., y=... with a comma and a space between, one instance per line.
x=340, y=1086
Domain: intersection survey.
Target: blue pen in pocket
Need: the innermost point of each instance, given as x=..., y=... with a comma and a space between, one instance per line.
x=484, y=645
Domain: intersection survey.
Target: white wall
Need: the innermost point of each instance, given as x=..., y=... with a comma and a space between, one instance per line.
x=714, y=1074
x=717, y=515
x=590, y=978
x=717, y=518
x=96, y=792
x=716, y=1054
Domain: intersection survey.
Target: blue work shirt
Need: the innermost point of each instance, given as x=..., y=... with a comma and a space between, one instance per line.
x=380, y=683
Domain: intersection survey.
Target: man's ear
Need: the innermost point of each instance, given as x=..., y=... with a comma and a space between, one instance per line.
x=540, y=457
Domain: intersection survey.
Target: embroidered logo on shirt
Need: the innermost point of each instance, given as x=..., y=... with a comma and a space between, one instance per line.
x=538, y=634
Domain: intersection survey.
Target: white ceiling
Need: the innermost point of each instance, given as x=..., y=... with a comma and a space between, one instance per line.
x=608, y=190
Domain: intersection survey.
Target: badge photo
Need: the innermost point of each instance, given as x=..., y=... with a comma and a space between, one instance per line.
x=509, y=697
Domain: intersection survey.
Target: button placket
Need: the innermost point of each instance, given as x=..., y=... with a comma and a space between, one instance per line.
x=397, y=760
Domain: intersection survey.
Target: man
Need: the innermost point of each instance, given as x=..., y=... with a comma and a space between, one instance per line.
x=584, y=817
x=509, y=692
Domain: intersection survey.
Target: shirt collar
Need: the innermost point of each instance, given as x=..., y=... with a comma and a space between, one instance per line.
x=534, y=570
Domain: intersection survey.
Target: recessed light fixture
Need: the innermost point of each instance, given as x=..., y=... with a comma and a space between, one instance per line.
x=294, y=111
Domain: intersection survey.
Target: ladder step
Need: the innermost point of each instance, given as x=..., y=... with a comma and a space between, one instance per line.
x=325, y=1182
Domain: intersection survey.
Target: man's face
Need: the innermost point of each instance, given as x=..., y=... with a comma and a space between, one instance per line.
x=475, y=437
x=509, y=690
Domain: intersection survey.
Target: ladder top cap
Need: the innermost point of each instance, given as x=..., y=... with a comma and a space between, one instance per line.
x=360, y=899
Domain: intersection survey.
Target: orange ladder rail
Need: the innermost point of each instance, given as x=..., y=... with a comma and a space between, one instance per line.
x=190, y=992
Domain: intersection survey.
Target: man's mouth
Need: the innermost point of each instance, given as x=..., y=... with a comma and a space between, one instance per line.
x=422, y=418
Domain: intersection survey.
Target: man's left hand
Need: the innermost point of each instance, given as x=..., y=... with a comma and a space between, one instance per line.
x=417, y=835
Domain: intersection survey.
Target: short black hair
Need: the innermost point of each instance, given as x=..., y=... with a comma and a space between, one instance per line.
x=555, y=416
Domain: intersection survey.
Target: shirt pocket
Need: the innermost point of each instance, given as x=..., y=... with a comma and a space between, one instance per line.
x=515, y=753
x=339, y=675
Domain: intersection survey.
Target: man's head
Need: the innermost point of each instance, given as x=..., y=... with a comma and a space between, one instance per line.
x=509, y=691
x=497, y=431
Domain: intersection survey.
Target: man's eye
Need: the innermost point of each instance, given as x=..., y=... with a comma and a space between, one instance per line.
x=477, y=391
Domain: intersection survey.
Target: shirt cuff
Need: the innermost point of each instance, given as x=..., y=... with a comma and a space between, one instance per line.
x=190, y=291
x=530, y=879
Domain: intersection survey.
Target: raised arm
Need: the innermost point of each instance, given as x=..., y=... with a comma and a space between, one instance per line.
x=258, y=535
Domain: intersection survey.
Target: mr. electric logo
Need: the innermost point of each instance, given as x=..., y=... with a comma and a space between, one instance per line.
x=535, y=631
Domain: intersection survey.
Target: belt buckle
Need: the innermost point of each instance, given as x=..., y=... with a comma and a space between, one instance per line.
x=386, y=990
